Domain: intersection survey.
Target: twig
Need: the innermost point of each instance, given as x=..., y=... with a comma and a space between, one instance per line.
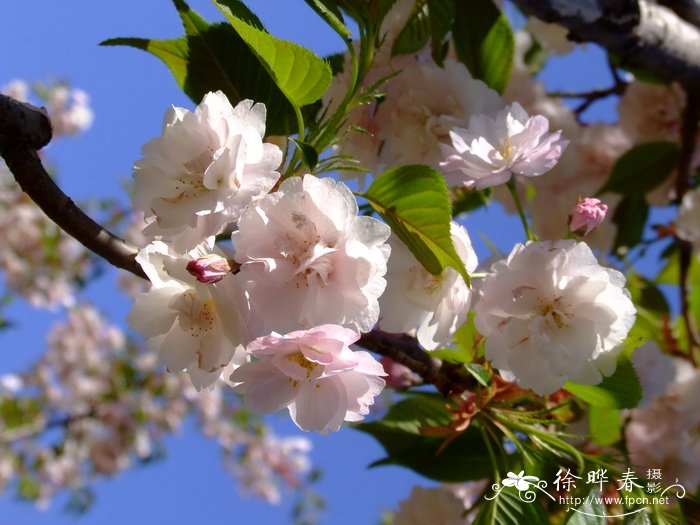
x=405, y=350
x=25, y=129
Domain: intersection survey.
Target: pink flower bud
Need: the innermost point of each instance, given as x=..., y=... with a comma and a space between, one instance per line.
x=209, y=269
x=586, y=215
x=399, y=377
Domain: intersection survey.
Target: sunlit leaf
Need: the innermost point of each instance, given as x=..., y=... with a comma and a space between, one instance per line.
x=300, y=74
x=413, y=200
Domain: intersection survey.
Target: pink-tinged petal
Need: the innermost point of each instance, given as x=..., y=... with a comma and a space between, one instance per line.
x=266, y=390
x=320, y=406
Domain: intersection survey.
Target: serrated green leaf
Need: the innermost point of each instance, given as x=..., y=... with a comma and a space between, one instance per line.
x=213, y=57
x=620, y=390
x=413, y=200
x=604, y=425
x=484, y=42
x=299, y=73
x=642, y=169
x=630, y=217
x=508, y=509
x=399, y=432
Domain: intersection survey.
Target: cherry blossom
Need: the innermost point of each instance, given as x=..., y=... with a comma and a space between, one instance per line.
x=492, y=149
x=192, y=326
x=423, y=104
x=312, y=372
x=552, y=314
x=204, y=169
x=308, y=259
x=433, y=306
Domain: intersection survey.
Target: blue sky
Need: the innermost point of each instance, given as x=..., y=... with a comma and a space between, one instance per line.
x=130, y=91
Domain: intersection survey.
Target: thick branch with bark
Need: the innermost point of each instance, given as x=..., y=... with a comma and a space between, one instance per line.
x=640, y=34
x=25, y=129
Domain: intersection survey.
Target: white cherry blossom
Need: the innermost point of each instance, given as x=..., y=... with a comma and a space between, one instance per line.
x=192, y=326
x=204, y=169
x=308, y=259
x=492, y=149
x=552, y=314
x=432, y=305
x=312, y=372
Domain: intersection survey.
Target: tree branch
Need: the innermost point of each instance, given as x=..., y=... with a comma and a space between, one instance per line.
x=642, y=35
x=405, y=350
x=24, y=129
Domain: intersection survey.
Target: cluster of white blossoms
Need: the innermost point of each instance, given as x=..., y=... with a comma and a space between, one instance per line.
x=306, y=263
x=276, y=317
x=105, y=403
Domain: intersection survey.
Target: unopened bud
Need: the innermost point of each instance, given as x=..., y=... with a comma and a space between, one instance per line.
x=587, y=215
x=398, y=376
x=209, y=269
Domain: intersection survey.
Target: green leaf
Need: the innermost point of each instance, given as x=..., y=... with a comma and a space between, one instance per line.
x=484, y=42
x=399, y=432
x=331, y=14
x=604, y=425
x=480, y=373
x=620, y=390
x=300, y=74
x=630, y=217
x=591, y=512
x=508, y=509
x=213, y=57
x=642, y=169
x=413, y=200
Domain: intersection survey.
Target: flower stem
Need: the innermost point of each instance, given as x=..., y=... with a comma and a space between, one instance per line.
x=518, y=205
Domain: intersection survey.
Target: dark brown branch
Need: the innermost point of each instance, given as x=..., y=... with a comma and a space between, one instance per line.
x=24, y=129
x=640, y=34
x=405, y=350
x=689, y=132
